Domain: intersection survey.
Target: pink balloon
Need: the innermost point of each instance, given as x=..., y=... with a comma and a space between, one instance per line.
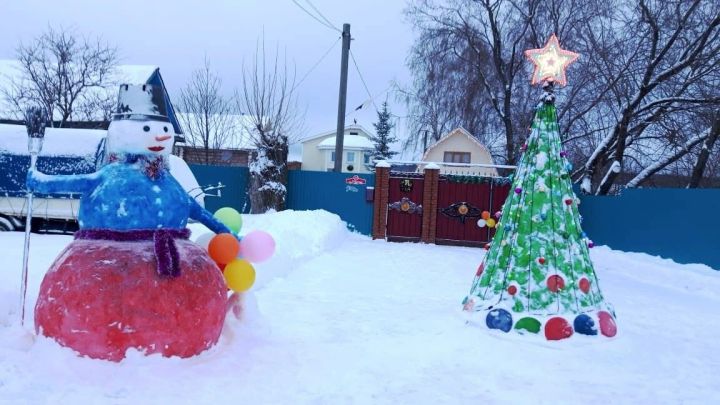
x=257, y=246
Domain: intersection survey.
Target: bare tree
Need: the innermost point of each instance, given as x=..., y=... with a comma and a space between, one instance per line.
x=705, y=150
x=271, y=119
x=207, y=116
x=61, y=72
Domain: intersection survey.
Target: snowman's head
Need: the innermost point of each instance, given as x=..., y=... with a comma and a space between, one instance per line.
x=140, y=136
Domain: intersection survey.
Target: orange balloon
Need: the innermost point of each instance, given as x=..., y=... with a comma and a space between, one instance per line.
x=223, y=248
x=485, y=215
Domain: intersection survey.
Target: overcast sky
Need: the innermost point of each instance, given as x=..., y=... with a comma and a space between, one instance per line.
x=176, y=35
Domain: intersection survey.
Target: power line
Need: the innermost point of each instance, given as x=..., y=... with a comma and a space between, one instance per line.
x=372, y=98
x=317, y=63
x=320, y=14
x=362, y=79
x=314, y=17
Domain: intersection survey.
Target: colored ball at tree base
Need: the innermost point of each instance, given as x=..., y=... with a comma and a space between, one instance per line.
x=585, y=325
x=607, y=324
x=223, y=248
x=257, y=246
x=239, y=275
x=230, y=218
x=101, y=298
x=499, y=319
x=528, y=324
x=557, y=329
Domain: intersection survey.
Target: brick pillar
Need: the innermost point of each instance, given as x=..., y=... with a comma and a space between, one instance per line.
x=380, y=203
x=430, y=205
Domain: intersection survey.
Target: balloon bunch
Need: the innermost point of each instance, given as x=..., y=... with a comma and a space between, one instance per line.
x=486, y=220
x=234, y=253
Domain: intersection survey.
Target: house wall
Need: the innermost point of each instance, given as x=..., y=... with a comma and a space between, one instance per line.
x=314, y=159
x=460, y=143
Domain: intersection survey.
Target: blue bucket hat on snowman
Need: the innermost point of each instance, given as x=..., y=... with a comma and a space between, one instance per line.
x=141, y=102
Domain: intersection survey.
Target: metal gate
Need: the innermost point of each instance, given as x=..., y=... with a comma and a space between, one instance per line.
x=405, y=210
x=461, y=202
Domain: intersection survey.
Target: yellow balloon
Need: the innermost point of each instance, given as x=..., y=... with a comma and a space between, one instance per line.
x=490, y=223
x=239, y=275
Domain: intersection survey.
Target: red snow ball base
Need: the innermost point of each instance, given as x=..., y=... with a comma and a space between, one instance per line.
x=555, y=283
x=607, y=324
x=101, y=298
x=557, y=329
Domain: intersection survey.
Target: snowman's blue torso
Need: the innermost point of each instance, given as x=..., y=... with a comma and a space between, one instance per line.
x=125, y=197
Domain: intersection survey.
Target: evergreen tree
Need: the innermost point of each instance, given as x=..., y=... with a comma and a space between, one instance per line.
x=383, y=139
x=537, y=273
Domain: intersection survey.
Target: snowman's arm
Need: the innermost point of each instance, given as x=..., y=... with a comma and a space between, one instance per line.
x=57, y=183
x=203, y=216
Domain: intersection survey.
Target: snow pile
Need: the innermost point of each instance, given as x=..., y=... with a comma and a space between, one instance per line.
x=354, y=320
x=299, y=236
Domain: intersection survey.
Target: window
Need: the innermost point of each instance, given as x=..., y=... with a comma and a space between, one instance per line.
x=353, y=133
x=366, y=158
x=456, y=157
x=332, y=156
x=350, y=157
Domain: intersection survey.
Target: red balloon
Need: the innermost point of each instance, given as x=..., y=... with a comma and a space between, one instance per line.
x=557, y=329
x=584, y=285
x=223, y=248
x=555, y=283
x=607, y=324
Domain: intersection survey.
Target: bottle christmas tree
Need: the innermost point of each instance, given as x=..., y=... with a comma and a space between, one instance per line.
x=537, y=274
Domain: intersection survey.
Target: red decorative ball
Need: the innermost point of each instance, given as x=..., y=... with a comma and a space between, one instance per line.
x=557, y=329
x=541, y=260
x=568, y=201
x=111, y=291
x=584, y=285
x=512, y=290
x=480, y=269
x=555, y=283
x=607, y=324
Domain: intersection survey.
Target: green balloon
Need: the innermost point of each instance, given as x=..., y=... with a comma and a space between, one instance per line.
x=230, y=218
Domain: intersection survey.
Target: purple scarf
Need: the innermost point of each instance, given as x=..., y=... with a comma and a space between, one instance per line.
x=166, y=253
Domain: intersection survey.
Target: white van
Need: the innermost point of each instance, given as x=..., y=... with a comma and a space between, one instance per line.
x=65, y=151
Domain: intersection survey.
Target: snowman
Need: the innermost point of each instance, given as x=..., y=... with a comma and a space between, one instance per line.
x=131, y=278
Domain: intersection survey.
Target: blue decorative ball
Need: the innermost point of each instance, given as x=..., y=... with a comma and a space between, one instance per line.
x=499, y=319
x=585, y=325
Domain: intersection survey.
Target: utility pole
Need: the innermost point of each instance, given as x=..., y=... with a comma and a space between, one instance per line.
x=340, y=135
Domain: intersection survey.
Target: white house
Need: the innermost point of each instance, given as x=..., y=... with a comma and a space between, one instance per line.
x=459, y=148
x=318, y=152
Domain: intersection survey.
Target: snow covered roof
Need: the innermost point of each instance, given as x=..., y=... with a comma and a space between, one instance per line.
x=349, y=142
x=348, y=128
x=58, y=141
x=457, y=131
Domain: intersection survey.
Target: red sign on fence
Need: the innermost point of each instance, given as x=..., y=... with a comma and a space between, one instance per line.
x=355, y=180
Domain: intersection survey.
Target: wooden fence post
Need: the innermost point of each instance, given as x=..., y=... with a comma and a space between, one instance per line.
x=430, y=199
x=380, y=201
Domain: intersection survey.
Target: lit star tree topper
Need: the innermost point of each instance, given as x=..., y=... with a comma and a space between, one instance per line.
x=550, y=62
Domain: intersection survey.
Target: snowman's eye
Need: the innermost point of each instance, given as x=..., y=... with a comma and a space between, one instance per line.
x=165, y=129
x=146, y=128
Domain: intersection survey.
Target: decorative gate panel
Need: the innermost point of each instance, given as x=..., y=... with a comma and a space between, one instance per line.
x=404, y=217
x=461, y=203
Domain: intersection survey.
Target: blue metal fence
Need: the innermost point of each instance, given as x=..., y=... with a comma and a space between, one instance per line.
x=235, y=180
x=681, y=224
x=330, y=191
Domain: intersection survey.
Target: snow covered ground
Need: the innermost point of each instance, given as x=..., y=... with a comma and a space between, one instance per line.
x=337, y=318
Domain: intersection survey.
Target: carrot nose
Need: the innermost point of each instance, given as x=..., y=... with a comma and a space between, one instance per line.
x=162, y=138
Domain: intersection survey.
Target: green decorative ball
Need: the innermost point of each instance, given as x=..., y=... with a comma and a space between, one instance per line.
x=230, y=218
x=529, y=324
